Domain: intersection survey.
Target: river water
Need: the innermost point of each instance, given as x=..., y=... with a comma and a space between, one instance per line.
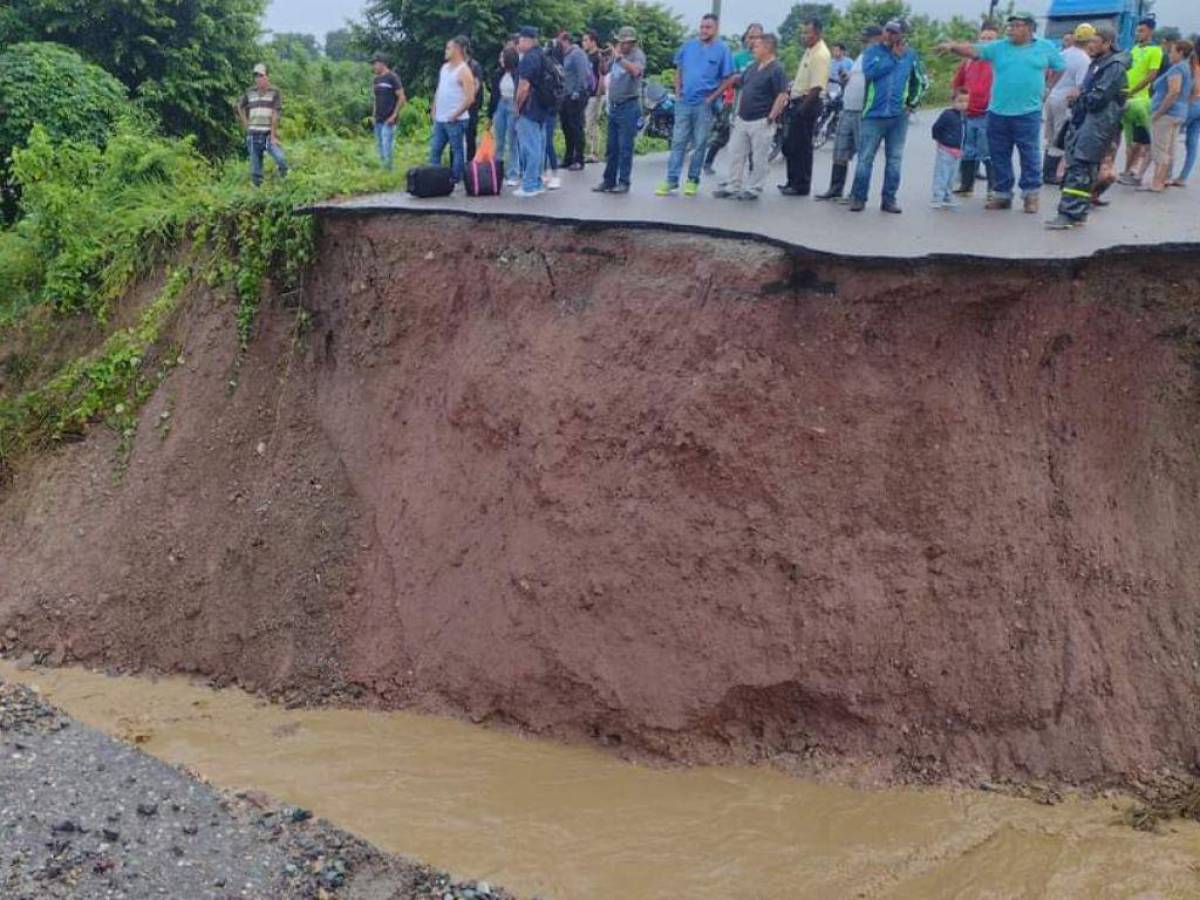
x=573, y=822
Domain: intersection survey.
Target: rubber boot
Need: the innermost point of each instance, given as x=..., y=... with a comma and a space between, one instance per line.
x=968, y=171
x=837, y=182
x=1050, y=169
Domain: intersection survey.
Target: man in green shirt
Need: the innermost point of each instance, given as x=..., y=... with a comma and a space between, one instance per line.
x=1147, y=62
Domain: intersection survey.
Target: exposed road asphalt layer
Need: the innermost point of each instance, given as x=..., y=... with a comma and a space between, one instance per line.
x=85, y=816
x=1133, y=220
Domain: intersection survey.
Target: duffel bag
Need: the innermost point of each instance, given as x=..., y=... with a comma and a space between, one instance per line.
x=431, y=181
x=484, y=179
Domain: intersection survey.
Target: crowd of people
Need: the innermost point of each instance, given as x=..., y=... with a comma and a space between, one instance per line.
x=1062, y=110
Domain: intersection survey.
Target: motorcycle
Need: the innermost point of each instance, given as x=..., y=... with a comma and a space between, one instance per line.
x=658, y=112
x=827, y=122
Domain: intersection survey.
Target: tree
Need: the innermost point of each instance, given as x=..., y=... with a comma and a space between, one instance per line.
x=184, y=60
x=339, y=45
x=52, y=86
x=293, y=45
x=792, y=27
x=414, y=32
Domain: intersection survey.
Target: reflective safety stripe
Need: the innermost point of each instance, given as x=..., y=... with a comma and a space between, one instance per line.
x=1077, y=193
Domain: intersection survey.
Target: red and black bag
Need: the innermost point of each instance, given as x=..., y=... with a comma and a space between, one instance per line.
x=484, y=179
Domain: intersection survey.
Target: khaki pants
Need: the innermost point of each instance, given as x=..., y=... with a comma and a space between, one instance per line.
x=749, y=148
x=1055, y=115
x=592, y=125
x=1163, y=134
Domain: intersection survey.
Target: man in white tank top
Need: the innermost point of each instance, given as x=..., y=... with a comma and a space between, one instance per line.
x=452, y=107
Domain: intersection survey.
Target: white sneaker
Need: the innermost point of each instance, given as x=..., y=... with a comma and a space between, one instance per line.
x=553, y=183
x=513, y=182
x=521, y=192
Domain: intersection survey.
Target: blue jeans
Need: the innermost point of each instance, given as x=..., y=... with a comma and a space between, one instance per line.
x=257, y=144
x=693, y=125
x=622, y=134
x=385, y=143
x=551, y=126
x=455, y=135
x=976, y=146
x=891, y=131
x=1192, y=142
x=531, y=141
x=1024, y=133
x=945, y=167
x=504, y=130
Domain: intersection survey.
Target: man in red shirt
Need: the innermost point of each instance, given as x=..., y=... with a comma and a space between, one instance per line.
x=975, y=77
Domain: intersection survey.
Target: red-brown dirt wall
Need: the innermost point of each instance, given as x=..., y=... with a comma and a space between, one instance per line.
x=705, y=497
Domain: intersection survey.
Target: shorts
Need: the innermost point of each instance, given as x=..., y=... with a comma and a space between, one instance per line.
x=1136, y=121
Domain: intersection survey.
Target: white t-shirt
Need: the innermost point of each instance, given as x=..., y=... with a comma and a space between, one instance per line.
x=856, y=88
x=508, y=87
x=1078, y=63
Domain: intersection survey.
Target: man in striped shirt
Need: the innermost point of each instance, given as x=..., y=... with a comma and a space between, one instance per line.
x=258, y=111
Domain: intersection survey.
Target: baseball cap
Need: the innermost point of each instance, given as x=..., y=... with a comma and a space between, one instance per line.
x=872, y=31
x=1084, y=32
x=379, y=58
x=1023, y=16
x=626, y=34
x=896, y=26
x=528, y=32
x=260, y=69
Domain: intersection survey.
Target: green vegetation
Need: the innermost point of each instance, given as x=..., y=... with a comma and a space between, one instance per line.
x=414, y=32
x=181, y=60
x=53, y=86
x=96, y=221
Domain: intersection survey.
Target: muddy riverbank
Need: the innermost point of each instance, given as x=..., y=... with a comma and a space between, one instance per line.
x=83, y=815
x=569, y=822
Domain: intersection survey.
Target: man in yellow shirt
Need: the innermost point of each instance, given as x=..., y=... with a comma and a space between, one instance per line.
x=804, y=110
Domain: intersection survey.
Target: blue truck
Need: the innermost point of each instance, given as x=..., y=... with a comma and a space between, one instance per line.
x=1121, y=15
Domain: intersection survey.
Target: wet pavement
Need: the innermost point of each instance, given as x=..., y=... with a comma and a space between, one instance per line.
x=1134, y=219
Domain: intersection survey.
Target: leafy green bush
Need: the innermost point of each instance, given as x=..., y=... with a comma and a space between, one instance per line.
x=100, y=217
x=50, y=85
x=323, y=97
x=183, y=60
x=20, y=273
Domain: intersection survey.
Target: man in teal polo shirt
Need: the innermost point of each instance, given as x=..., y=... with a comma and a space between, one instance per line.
x=1020, y=64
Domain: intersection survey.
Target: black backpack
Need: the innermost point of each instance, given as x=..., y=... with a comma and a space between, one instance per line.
x=552, y=88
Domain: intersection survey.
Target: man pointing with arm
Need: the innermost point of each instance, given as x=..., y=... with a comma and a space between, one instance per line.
x=1020, y=64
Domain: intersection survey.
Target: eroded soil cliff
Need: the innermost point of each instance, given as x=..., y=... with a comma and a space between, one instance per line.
x=697, y=496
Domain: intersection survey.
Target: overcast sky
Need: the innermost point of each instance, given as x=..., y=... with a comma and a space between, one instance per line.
x=320, y=16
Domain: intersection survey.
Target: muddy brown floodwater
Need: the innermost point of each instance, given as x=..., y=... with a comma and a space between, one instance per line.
x=572, y=822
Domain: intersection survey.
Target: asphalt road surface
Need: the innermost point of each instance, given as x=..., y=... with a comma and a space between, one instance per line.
x=1134, y=219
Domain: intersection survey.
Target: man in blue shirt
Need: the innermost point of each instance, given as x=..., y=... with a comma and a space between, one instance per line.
x=1020, y=64
x=531, y=114
x=895, y=82
x=701, y=66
